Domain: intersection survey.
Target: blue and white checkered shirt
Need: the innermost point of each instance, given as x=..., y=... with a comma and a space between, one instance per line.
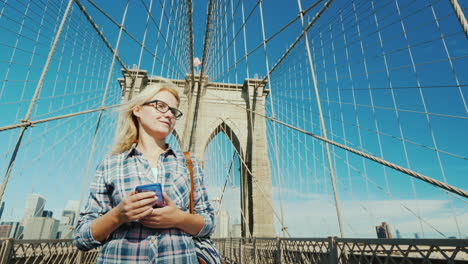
x=118, y=175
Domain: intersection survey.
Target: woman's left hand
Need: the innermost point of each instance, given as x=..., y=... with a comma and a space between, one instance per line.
x=166, y=217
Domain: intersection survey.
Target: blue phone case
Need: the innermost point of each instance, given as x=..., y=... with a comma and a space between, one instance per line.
x=156, y=188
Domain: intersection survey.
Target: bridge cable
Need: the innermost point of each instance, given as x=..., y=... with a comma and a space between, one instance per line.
x=460, y=15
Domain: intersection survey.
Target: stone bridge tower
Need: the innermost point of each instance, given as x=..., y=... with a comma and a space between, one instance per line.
x=220, y=107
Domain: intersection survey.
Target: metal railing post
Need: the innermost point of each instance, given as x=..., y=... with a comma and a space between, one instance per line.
x=79, y=257
x=332, y=250
x=240, y=250
x=230, y=249
x=6, y=249
x=255, y=250
x=278, y=251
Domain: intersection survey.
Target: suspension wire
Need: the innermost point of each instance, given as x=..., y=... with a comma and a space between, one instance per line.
x=200, y=82
x=38, y=34
x=221, y=151
x=228, y=175
x=235, y=47
x=244, y=22
x=159, y=35
x=383, y=134
x=315, y=158
x=466, y=110
x=275, y=140
x=403, y=110
x=13, y=53
x=390, y=196
x=96, y=28
x=121, y=27
x=365, y=177
x=343, y=130
x=347, y=142
x=159, y=29
x=171, y=8
x=409, y=172
x=29, y=123
x=148, y=14
x=31, y=105
x=190, y=43
x=303, y=33
x=245, y=42
x=265, y=40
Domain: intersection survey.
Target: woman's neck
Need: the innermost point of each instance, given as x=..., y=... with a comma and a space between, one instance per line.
x=150, y=146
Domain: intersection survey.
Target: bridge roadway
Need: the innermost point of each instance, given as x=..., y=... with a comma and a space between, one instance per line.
x=267, y=250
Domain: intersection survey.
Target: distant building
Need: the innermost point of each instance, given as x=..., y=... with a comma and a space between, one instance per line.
x=34, y=206
x=64, y=231
x=68, y=217
x=416, y=235
x=236, y=230
x=40, y=228
x=47, y=213
x=222, y=224
x=5, y=231
x=72, y=205
x=12, y=229
x=383, y=231
x=398, y=234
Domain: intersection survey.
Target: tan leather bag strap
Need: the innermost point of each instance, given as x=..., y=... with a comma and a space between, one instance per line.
x=189, y=163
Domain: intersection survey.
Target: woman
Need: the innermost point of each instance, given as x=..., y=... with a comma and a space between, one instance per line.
x=124, y=222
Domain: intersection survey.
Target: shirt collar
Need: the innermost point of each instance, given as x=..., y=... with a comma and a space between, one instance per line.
x=134, y=152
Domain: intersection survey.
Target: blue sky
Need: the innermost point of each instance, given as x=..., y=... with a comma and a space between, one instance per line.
x=53, y=156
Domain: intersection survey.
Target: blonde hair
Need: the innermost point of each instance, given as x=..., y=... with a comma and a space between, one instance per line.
x=127, y=129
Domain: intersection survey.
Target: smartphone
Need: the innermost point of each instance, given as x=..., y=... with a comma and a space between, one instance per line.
x=156, y=188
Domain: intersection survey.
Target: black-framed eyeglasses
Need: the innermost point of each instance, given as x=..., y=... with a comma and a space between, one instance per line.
x=163, y=108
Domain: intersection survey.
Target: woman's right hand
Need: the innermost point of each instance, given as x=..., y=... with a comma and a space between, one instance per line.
x=135, y=206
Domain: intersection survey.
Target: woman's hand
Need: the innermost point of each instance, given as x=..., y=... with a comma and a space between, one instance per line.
x=166, y=217
x=135, y=206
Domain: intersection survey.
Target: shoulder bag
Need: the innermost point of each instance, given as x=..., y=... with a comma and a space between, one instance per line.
x=206, y=250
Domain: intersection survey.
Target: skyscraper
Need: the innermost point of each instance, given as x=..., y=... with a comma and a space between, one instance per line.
x=40, y=228
x=383, y=231
x=34, y=206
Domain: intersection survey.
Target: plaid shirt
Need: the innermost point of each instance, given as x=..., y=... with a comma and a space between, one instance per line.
x=118, y=175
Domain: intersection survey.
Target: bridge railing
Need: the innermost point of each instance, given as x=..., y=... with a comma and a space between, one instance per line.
x=342, y=250
x=267, y=250
x=13, y=251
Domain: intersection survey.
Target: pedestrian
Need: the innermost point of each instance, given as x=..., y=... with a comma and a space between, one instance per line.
x=123, y=222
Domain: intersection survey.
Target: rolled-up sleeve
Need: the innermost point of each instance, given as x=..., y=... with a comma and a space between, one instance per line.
x=99, y=202
x=202, y=202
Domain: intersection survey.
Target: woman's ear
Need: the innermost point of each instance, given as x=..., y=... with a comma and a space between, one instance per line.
x=136, y=111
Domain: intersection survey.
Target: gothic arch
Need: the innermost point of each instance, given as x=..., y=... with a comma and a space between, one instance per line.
x=226, y=127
